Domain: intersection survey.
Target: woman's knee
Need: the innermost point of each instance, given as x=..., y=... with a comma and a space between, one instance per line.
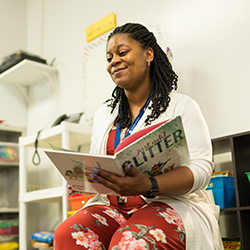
x=155, y=226
x=91, y=227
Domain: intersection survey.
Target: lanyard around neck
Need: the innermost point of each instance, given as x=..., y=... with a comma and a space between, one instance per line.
x=135, y=122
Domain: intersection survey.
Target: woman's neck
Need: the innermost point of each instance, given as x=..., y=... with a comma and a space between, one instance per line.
x=137, y=100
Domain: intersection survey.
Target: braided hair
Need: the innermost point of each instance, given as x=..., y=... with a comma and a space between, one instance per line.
x=164, y=79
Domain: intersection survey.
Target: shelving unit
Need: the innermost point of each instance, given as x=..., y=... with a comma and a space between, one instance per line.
x=9, y=210
x=233, y=153
x=28, y=72
x=67, y=135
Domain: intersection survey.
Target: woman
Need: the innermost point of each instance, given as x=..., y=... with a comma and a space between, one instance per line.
x=178, y=214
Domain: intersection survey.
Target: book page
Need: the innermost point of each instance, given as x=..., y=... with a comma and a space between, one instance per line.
x=75, y=168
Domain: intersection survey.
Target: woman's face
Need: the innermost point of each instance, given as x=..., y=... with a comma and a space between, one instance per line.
x=127, y=62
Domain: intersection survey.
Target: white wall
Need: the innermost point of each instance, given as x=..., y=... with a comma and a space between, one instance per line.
x=209, y=41
x=13, y=36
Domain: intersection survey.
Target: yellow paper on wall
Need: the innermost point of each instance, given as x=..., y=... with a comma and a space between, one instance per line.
x=100, y=27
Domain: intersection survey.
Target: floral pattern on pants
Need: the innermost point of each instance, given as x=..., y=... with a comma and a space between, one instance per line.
x=140, y=240
x=130, y=233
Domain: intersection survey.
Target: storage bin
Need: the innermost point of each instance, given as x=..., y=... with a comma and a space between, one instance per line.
x=223, y=191
x=77, y=202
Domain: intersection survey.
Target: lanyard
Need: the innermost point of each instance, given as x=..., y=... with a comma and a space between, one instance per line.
x=135, y=122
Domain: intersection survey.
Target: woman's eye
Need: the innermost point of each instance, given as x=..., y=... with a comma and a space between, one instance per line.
x=109, y=59
x=123, y=53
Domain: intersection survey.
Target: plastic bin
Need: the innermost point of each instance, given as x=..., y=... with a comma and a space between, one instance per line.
x=223, y=190
x=77, y=202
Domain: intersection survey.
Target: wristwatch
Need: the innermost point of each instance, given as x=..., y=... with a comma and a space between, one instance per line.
x=153, y=191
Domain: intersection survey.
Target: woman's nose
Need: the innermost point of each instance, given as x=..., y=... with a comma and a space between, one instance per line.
x=115, y=60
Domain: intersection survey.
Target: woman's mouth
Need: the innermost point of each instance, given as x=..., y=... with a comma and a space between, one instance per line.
x=116, y=71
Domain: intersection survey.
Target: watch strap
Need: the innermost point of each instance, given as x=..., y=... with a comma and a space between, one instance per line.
x=153, y=191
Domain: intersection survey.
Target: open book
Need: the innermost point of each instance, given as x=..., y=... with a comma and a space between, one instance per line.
x=154, y=150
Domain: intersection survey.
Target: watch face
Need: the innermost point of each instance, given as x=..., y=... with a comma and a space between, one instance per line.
x=152, y=193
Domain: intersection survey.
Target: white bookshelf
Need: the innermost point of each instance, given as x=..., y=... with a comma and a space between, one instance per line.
x=9, y=164
x=9, y=206
x=9, y=210
x=67, y=135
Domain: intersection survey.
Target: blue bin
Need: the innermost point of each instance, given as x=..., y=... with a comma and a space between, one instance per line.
x=223, y=190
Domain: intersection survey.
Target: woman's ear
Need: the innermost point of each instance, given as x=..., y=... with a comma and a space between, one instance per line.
x=150, y=54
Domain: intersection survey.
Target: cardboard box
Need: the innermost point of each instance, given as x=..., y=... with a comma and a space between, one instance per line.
x=223, y=190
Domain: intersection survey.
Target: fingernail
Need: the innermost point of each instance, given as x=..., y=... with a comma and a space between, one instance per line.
x=130, y=166
x=95, y=181
x=91, y=175
x=95, y=170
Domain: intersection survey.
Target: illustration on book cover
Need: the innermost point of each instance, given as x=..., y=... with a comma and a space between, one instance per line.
x=81, y=171
x=158, y=152
x=154, y=153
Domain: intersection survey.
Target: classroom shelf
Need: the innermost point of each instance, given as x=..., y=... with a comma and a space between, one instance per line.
x=237, y=147
x=9, y=207
x=47, y=195
x=67, y=135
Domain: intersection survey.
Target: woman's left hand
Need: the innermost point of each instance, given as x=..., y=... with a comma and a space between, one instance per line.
x=134, y=183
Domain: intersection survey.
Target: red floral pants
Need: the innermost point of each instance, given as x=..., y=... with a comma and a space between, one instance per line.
x=113, y=227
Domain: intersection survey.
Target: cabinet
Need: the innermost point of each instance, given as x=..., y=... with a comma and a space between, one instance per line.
x=50, y=186
x=233, y=153
x=9, y=209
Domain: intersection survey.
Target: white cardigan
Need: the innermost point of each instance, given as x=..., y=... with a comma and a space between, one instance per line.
x=200, y=217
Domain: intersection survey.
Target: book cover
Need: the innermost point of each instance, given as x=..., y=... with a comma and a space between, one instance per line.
x=154, y=150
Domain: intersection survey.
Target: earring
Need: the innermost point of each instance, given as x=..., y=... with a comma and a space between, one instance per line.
x=148, y=63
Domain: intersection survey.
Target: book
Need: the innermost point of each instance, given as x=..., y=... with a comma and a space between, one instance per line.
x=153, y=150
x=231, y=243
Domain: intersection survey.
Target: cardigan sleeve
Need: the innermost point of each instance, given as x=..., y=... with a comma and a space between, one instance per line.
x=198, y=139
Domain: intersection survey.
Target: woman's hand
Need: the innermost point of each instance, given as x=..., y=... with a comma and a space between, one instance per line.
x=173, y=183
x=134, y=183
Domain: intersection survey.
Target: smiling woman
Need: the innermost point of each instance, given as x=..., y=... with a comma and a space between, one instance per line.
x=162, y=212
x=126, y=59
x=129, y=67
